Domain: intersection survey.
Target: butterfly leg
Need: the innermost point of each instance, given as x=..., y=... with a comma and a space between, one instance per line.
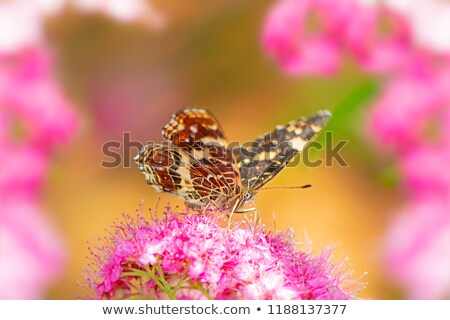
x=209, y=204
x=232, y=212
x=246, y=210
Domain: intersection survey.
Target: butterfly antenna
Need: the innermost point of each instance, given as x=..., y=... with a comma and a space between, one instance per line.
x=294, y=187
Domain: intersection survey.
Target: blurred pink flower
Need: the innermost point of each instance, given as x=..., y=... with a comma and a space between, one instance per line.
x=375, y=50
x=287, y=38
x=22, y=171
x=21, y=26
x=34, y=116
x=418, y=248
x=418, y=241
x=430, y=24
x=30, y=99
x=445, y=124
x=424, y=171
x=31, y=93
x=31, y=250
x=302, y=48
x=3, y=128
x=192, y=251
x=408, y=103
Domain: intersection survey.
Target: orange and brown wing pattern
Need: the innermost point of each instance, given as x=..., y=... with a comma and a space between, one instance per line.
x=192, y=128
x=169, y=168
x=200, y=135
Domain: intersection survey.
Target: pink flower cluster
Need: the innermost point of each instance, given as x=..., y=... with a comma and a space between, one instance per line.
x=407, y=42
x=411, y=117
x=188, y=255
x=35, y=116
x=310, y=36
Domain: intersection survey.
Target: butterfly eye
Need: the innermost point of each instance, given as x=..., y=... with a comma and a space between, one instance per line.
x=247, y=196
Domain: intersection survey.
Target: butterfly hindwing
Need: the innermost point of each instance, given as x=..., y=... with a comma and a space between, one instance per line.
x=169, y=168
x=261, y=161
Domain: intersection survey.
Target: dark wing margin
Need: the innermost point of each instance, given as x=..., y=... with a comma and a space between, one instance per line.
x=264, y=158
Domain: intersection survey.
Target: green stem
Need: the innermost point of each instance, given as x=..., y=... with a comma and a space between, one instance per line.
x=198, y=286
x=155, y=273
x=162, y=279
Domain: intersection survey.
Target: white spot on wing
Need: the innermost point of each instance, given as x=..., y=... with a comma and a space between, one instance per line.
x=298, y=143
x=198, y=154
x=183, y=170
x=268, y=155
x=212, y=141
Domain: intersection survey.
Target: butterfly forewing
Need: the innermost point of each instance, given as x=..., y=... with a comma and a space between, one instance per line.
x=262, y=159
x=200, y=135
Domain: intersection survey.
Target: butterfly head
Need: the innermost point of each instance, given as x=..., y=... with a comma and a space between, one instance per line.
x=245, y=203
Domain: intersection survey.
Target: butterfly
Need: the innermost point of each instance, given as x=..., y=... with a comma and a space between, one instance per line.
x=196, y=162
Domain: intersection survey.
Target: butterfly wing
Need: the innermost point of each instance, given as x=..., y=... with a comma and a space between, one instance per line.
x=200, y=136
x=171, y=169
x=261, y=161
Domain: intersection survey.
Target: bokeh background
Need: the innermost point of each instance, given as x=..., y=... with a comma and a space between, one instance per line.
x=253, y=65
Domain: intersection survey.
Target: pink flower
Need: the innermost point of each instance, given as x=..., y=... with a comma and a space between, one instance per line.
x=21, y=26
x=377, y=51
x=287, y=39
x=411, y=117
x=3, y=129
x=399, y=116
x=445, y=120
x=17, y=176
x=32, y=94
x=32, y=99
x=192, y=251
x=418, y=248
x=302, y=48
x=430, y=24
x=423, y=169
x=269, y=286
x=31, y=250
